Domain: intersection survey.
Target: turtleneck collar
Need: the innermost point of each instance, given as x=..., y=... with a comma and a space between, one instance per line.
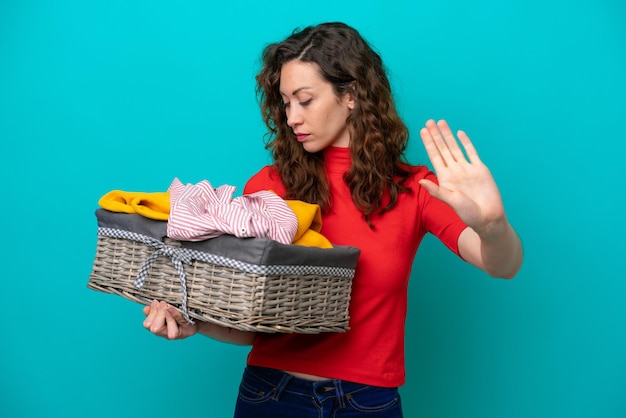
x=337, y=159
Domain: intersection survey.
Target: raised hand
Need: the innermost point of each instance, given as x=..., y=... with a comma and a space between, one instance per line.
x=465, y=183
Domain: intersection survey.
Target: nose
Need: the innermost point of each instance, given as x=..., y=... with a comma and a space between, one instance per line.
x=294, y=117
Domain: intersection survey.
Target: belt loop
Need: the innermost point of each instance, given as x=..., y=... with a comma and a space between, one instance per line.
x=282, y=384
x=340, y=395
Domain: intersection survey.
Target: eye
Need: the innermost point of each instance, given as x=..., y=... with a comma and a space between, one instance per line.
x=306, y=103
x=285, y=105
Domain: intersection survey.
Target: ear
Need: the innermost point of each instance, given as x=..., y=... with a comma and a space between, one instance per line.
x=349, y=98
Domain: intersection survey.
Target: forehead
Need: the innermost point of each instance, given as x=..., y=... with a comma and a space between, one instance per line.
x=296, y=75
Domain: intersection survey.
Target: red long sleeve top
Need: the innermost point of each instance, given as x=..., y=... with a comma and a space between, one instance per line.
x=372, y=351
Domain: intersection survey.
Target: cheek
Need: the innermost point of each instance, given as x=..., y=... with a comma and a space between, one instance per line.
x=337, y=118
x=330, y=115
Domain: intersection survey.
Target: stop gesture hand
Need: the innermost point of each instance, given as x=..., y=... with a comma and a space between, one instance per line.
x=465, y=183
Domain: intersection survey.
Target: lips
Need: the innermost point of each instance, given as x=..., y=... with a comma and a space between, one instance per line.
x=301, y=137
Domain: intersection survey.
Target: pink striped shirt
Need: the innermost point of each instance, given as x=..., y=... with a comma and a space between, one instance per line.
x=199, y=212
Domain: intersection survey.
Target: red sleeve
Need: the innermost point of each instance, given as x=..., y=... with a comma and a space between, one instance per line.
x=266, y=179
x=438, y=218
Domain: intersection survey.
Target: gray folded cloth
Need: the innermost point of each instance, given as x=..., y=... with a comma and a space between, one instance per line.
x=259, y=251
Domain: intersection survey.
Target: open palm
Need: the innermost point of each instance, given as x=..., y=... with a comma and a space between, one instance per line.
x=465, y=183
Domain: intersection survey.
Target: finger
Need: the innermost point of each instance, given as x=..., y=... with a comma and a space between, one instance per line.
x=470, y=150
x=430, y=187
x=173, y=328
x=438, y=192
x=176, y=315
x=450, y=141
x=158, y=324
x=151, y=314
x=431, y=150
x=439, y=141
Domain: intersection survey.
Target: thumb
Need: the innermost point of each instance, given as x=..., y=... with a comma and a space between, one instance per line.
x=430, y=187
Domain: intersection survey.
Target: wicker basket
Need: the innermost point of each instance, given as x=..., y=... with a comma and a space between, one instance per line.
x=249, y=284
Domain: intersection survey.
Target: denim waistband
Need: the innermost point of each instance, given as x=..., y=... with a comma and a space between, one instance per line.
x=322, y=389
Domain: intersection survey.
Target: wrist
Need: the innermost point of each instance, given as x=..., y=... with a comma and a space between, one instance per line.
x=493, y=230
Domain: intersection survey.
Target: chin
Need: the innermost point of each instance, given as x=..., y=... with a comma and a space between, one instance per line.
x=312, y=148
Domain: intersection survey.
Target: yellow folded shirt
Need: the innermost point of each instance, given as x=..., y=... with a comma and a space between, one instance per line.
x=151, y=205
x=309, y=225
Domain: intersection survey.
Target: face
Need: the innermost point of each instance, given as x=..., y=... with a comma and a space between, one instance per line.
x=314, y=112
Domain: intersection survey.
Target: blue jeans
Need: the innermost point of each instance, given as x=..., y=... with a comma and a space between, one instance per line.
x=272, y=393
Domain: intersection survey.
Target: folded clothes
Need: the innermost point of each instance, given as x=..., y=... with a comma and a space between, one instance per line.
x=151, y=205
x=309, y=225
x=157, y=206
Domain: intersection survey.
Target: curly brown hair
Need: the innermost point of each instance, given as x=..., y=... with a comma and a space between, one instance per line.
x=378, y=136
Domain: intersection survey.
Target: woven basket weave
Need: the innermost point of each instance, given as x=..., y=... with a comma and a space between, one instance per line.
x=284, y=299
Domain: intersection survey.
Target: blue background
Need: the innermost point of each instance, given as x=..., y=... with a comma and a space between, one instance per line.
x=104, y=95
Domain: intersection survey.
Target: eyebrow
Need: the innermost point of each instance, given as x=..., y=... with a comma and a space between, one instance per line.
x=298, y=90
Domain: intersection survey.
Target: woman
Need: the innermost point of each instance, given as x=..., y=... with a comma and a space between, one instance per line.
x=337, y=141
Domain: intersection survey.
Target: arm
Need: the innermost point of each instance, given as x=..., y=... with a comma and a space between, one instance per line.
x=467, y=186
x=165, y=321
x=499, y=253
